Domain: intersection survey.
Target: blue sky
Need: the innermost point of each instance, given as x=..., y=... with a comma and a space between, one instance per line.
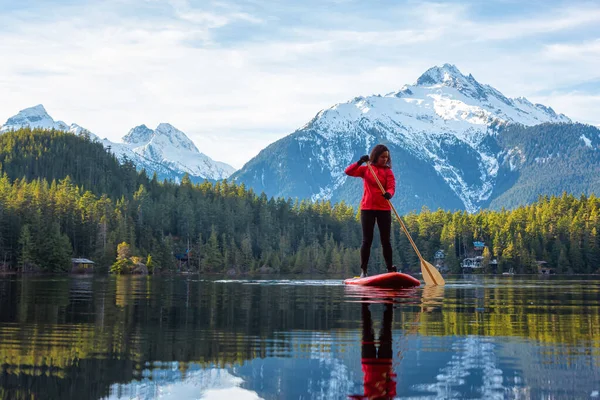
x=238, y=75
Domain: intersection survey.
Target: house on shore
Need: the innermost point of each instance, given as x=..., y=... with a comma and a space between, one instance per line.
x=82, y=266
x=544, y=269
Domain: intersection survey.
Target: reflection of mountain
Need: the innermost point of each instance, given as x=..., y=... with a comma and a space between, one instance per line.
x=545, y=378
x=318, y=365
x=170, y=382
x=314, y=367
x=474, y=364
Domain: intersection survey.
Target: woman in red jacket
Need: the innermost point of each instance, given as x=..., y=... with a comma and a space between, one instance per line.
x=374, y=206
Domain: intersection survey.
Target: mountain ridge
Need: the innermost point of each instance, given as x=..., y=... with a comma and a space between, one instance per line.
x=165, y=150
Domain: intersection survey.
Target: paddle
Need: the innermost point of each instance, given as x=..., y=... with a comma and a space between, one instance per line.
x=431, y=275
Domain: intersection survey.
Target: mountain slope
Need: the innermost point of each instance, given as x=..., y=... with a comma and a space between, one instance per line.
x=166, y=150
x=170, y=147
x=440, y=132
x=546, y=159
x=55, y=154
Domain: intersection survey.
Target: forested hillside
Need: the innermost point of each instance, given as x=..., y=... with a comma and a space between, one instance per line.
x=63, y=196
x=50, y=155
x=547, y=159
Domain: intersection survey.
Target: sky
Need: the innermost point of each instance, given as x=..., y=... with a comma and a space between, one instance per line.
x=236, y=76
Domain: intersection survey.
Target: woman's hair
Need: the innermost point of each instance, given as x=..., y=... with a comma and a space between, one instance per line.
x=377, y=151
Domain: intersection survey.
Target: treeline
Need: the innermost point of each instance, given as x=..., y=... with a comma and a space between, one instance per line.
x=219, y=227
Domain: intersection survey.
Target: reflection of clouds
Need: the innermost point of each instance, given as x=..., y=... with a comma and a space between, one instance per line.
x=209, y=384
x=473, y=354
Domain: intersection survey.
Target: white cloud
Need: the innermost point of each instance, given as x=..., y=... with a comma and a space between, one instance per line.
x=556, y=20
x=589, y=51
x=110, y=70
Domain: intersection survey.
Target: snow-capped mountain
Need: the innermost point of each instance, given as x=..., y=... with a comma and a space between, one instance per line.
x=169, y=146
x=165, y=150
x=441, y=132
x=37, y=117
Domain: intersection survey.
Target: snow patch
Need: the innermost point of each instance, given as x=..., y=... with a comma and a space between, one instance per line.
x=587, y=141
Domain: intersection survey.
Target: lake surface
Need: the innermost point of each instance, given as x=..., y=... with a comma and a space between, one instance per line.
x=186, y=338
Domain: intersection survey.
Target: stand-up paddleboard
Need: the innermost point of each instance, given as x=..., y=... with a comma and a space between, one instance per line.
x=392, y=280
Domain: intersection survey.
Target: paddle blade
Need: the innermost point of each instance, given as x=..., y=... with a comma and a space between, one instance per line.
x=431, y=275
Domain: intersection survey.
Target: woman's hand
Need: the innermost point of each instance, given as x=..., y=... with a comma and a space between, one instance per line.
x=363, y=159
x=387, y=195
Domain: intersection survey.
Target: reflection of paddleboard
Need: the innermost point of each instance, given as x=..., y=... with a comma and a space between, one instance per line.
x=390, y=280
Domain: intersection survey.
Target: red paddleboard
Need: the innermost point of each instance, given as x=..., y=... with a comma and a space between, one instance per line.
x=392, y=280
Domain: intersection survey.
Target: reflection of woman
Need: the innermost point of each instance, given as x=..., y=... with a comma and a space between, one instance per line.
x=379, y=377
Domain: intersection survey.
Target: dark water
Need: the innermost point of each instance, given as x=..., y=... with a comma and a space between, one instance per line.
x=184, y=338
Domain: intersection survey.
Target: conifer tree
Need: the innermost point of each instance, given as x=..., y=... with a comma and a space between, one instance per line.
x=26, y=248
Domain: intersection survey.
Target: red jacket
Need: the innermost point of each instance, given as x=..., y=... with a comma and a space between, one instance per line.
x=372, y=197
x=379, y=380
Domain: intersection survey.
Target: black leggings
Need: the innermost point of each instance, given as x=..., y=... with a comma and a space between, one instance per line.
x=384, y=222
x=368, y=349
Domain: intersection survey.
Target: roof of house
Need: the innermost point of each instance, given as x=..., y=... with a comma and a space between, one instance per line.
x=81, y=261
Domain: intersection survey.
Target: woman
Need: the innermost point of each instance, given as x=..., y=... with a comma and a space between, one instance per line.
x=374, y=206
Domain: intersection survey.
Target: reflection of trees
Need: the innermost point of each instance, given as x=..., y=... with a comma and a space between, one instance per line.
x=551, y=314
x=61, y=338
x=65, y=334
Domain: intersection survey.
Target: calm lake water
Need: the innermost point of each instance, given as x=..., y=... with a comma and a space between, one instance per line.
x=186, y=338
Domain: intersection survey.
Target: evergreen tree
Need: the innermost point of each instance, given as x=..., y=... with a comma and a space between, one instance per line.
x=26, y=247
x=213, y=258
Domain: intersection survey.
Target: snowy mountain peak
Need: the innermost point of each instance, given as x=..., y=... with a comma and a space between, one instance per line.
x=165, y=150
x=38, y=117
x=449, y=75
x=33, y=112
x=164, y=135
x=139, y=135
x=445, y=121
x=446, y=74
x=171, y=148
x=34, y=117
x=175, y=137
